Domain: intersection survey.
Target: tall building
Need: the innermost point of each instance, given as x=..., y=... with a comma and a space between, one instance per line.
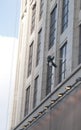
x=48, y=77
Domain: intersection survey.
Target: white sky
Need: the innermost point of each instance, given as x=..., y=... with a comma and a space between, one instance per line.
x=9, y=27
x=8, y=55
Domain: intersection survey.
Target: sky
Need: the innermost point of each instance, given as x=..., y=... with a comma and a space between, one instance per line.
x=9, y=27
x=9, y=17
x=8, y=52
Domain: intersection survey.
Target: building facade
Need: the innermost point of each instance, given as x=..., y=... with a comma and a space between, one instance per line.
x=48, y=77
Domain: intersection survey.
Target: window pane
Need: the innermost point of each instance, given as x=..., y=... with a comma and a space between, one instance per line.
x=38, y=47
x=65, y=14
x=33, y=18
x=41, y=8
x=52, y=28
x=80, y=44
x=63, y=62
x=30, y=59
x=49, y=79
x=27, y=101
x=25, y=2
x=35, y=92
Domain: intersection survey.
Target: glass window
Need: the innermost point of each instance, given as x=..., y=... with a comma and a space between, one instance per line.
x=65, y=14
x=38, y=47
x=49, y=79
x=41, y=8
x=63, y=62
x=27, y=101
x=52, y=35
x=25, y=2
x=30, y=59
x=33, y=18
x=80, y=44
x=35, y=92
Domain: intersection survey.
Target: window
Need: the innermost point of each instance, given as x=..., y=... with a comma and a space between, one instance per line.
x=52, y=35
x=25, y=2
x=35, y=92
x=27, y=101
x=33, y=18
x=65, y=14
x=63, y=62
x=80, y=4
x=80, y=44
x=49, y=79
x=41, y=8
x=38, y=47
x=30, y=59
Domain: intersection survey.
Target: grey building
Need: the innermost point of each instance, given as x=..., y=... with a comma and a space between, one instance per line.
x=48, y=77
